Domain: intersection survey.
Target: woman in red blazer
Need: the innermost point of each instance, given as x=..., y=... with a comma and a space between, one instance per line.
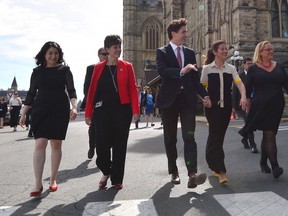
x=112, y=100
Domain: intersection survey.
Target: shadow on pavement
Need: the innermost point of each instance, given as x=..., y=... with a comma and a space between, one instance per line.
x=63, y=176
x=205, y=203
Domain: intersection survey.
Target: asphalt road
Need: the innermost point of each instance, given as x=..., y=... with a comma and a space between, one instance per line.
x=147, y=188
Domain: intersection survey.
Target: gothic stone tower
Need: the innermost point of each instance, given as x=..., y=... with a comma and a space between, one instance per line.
x=142, y=33
x=241, y=23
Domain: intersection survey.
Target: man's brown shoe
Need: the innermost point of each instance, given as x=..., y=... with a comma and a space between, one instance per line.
x=175, y=178
x=196, y=179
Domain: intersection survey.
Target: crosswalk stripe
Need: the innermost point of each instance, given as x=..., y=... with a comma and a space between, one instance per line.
x=281, y=128
x=122, y=207
x=256, y=204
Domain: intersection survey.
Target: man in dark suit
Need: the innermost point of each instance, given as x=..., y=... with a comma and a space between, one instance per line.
x=247, y=62
x=102, y=55
x=177, y=96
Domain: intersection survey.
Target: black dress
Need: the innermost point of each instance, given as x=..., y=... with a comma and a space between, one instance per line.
x=268, y=99
x=48, y=94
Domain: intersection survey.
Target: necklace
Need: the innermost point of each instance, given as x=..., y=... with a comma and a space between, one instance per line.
x=113, y=76
x=267, y=66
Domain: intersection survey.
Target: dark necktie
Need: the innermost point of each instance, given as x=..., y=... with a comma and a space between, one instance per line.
x=179, y=58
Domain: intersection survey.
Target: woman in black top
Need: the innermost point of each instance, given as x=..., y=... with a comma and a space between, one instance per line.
x=266, y=78
x=3, y=111
x=51, y=109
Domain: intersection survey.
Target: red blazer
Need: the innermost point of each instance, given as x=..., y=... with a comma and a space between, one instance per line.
x=127, y=87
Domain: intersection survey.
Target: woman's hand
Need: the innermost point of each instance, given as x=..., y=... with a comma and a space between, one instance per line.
x=73, y=113
x=248, y=106
x=136, y=117
x=22, y=120
x=88, y=121
x=243, y=103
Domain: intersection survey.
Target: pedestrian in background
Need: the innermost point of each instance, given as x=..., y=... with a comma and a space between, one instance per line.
x=247, y=62
x=50, y=82
x=102, y=55
x=3, y=111
x=176, y=64
x=28, y=119
x=15, y=105
x=140, y=96
x=111, y=101
x=218, y=78
x=148, y=104
x=266, y=79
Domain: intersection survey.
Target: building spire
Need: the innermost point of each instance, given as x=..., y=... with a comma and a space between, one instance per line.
x=14, y=84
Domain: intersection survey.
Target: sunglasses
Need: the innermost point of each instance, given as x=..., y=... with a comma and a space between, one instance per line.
x=104, y=54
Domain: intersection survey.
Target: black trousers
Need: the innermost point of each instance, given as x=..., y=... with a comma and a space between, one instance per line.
x=92, y=136
x=14, y=115
x=112, y=126
x=170, y=121
x=250, y=136
x=218, y=119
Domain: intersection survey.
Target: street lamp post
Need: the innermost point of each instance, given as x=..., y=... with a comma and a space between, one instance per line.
x=236, y=59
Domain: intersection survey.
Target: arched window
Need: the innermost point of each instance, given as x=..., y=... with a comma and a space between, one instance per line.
x=152, y=35
x=279, y=18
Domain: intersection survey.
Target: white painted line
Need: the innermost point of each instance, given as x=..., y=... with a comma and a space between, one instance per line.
x=283, y=128
x=8, y=210
x=256, y=204
x=120, y=208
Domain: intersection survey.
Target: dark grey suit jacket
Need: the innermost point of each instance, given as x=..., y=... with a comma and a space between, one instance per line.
x=88, y=76
x=169, y=70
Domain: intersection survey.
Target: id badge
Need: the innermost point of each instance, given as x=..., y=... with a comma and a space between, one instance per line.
x=98, y=104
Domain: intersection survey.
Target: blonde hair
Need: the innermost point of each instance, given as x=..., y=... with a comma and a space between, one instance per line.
x=257, y=57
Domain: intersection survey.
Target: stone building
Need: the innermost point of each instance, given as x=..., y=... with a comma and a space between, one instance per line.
x=241, y=23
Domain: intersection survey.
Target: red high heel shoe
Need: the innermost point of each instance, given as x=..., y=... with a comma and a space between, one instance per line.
x=118, y=186
x=103, y=183
x=53, y=188
x=36, y=193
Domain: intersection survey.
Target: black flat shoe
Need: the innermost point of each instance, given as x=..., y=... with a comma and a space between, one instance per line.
x=245, y=143
x=265, y=168
x=254, y=150
x=277, y=172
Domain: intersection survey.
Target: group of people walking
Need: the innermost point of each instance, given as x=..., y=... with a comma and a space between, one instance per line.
x=112, y=101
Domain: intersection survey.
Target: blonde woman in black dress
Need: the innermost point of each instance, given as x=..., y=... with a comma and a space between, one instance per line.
x=51, y=110
x=266, y=78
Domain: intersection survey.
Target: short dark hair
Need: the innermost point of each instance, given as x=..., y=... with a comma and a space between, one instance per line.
x=112, y=40
x=246, y=59
x=101, y=50
x=175, y=26
x=40, y=57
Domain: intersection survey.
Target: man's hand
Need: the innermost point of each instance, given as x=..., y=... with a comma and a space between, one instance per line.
x=207, y=102
x=188, y=68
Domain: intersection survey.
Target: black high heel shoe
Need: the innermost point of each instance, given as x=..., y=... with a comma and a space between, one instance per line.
x=265, y=168
x=277, y=172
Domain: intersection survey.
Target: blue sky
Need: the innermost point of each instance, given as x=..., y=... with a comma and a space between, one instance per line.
x=78, y=26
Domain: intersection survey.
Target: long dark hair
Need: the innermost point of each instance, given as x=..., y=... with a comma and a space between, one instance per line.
x=210, y=57
x=40, y=57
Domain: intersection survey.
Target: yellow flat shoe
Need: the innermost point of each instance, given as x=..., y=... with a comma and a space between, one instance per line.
x=215, y=174
x=223, y=179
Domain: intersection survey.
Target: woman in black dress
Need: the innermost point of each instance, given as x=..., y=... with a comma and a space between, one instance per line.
x=51, y=110
x=265, y=80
